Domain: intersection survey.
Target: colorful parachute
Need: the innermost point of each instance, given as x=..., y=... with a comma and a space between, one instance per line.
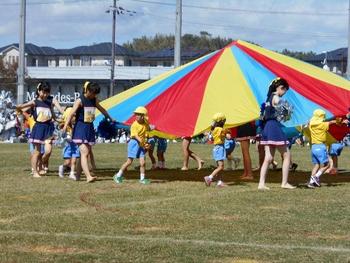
x=234, y=81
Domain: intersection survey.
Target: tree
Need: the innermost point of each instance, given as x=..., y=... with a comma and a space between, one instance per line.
x=188, y=41
x=8, y=76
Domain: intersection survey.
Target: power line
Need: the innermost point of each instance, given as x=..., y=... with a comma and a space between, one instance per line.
x=221, y=9
x=239, y=10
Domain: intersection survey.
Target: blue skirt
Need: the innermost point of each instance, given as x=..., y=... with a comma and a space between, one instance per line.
x=272, y=134
x=41, y=132
x=84, y=133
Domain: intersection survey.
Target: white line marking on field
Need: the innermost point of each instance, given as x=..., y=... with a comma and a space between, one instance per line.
x=178, y=241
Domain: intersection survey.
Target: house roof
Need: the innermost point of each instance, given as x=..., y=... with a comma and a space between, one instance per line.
x=102, y=49
x=333, y=55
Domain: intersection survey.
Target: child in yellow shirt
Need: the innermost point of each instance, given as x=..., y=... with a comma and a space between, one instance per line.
x=318, y=133
x=137, y=145
x=219, y=153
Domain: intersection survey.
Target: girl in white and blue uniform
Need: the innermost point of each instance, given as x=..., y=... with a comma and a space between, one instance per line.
x=84, y=132
x=272, y=136
x=42, y=132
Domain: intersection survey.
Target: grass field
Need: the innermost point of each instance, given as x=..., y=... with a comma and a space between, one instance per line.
x=175, y=218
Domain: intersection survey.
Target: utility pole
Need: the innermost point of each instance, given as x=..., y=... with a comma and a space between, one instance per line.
x=21, y=62
x=177, y=49
x=111, y=87
x=348, y=61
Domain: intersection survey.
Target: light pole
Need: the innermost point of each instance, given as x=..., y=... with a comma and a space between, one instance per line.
x=348, y=61
x=111, y=87
x=21, y=60
x=177, y=48
x=116, y=10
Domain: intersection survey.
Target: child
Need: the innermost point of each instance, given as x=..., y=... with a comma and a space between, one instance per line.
x=335, y=150
x=84, y=132
x=219, y=155
x=245, y=133
x=42, y=132
x=162, y=145
x=230, y=145
x=29, y=122
x=71, y=153
x=318, y=133
x=186, y=141
x=152, y=143
x=272, y=135
x=137, y=146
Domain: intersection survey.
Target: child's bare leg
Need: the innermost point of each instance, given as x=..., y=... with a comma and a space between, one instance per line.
x=285, y=153
x=247, y=162
x=47, y=154
x=269, y=153
x=92, y=161
x=195, y=157
x=151, y=156
x=142, y=168
x=186, y=153
x=34, y=160
x=219, y=168
x=85, y=149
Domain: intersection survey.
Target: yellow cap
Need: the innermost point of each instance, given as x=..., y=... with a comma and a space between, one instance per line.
x=219, y=117
x=141, y=110
x=318, y=116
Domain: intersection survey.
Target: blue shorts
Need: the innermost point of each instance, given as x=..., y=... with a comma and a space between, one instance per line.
x=162, y=145
x=229, y=146
x=134, y=149
x=42, y=148
x=319, y=154
x=71, y=151
x=336, y=149
x=152, y=142
x=219, y=153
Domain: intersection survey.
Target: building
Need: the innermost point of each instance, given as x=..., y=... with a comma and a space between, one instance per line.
x=165, y=57
x=67, y=69
x=334, y=60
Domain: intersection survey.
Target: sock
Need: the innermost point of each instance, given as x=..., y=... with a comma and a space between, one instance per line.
x=120, y=173
x=142, y=177
x=318, y=174
x=163, y=164
x=211, y=177
x=154, y=165
x=160, y=164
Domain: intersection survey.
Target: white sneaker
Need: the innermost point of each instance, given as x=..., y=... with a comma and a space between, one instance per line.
x=72, y=176
x=61, y=171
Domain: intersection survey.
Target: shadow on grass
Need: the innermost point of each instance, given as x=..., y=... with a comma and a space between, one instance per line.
x=230, y=177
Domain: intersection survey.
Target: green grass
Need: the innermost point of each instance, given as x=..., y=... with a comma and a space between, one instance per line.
x=175, y=219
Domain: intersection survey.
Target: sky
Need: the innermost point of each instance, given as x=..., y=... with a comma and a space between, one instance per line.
x=298, y=25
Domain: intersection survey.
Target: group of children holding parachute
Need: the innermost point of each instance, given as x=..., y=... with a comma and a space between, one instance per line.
x=77, y=123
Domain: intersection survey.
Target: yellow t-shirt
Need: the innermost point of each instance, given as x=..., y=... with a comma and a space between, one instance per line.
x=140, y=130
x=318, y=132
x=65, y=117
x=219, y=134
x=31, y=122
